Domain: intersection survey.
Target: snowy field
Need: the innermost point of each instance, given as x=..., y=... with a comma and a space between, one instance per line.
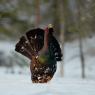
x=22, y=85
x=71, y=84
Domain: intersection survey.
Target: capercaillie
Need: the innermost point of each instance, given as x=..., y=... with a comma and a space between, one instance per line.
x=42, y=48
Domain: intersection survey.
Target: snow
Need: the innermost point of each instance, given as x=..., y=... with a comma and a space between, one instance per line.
x=72, y=63
x=71, y=84
x=22, y=85
x=6, y=47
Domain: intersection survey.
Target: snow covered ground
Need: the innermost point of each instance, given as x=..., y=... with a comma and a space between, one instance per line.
x=71, y=84
x=22, y=85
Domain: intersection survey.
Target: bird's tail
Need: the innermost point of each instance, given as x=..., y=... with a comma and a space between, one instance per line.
x=24, y=47
x=29, y=44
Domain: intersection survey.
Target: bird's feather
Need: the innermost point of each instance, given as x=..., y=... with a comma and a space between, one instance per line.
x=43, y=60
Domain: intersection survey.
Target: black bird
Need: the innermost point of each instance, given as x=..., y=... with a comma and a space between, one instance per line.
x=42, y=48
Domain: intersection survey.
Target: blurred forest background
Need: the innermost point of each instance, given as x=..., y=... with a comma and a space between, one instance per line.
x=74, y=25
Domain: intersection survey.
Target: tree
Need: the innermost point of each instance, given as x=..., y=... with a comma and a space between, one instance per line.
x=37, y=12
x=80, y=30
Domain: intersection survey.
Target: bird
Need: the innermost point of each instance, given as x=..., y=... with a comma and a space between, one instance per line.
x=43, y=50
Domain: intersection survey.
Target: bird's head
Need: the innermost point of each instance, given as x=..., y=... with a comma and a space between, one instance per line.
x=49, y=29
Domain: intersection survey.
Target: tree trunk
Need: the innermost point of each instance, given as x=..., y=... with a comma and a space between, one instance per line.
x=64, y=15
x=58, y=25
x=37, y=13
x=62, y=29
x=82, y=57
x=80, y=30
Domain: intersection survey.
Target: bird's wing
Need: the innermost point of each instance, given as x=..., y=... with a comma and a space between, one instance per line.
x=55, y=47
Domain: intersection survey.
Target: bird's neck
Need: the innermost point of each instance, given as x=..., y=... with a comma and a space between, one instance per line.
x=45, y=46
x=46, y=38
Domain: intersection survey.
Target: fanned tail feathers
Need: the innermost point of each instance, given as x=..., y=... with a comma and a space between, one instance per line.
x=33, y=43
